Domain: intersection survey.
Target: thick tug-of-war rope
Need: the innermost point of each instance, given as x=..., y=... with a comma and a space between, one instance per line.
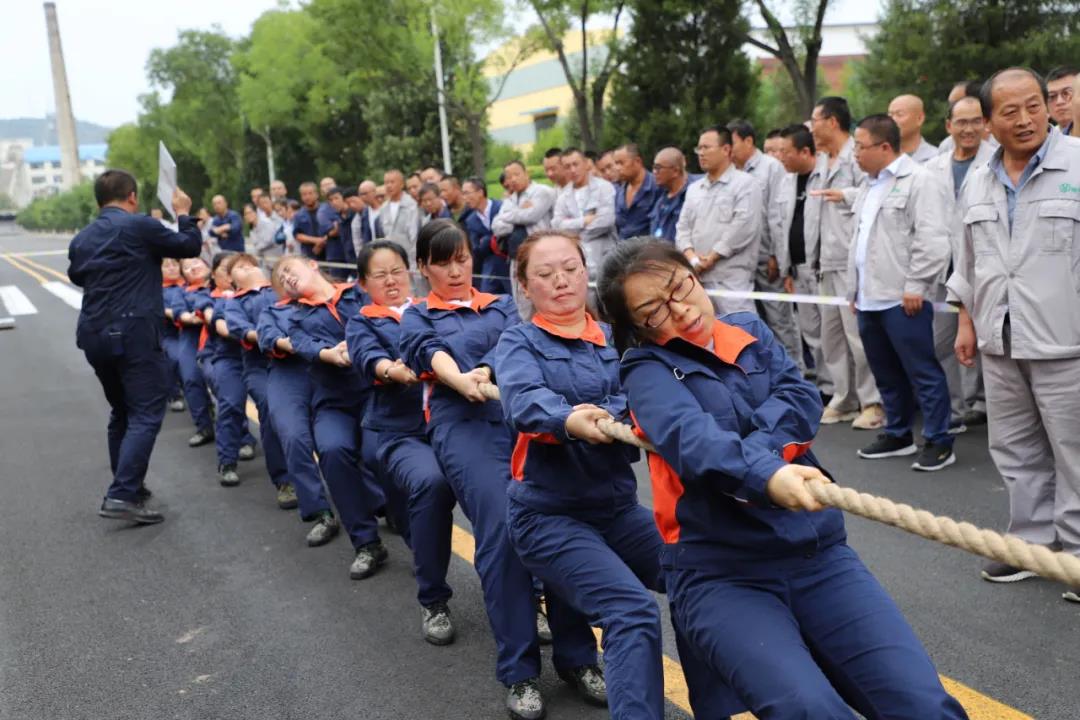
x=987, y=543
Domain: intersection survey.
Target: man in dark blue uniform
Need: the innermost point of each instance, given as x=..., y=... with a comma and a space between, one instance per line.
x=117, y=261
x=227, y=225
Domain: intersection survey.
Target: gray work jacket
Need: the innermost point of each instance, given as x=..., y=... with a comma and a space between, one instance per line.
x=837, y=218
x=941, y=166
x=784, y=210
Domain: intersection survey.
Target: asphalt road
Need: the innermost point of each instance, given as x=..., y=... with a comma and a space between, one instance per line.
x=223, y=612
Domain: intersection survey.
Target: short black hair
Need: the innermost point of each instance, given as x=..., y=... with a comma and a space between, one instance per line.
x=335, y=191
x=571, y=151
x=590, y=155
x=432, y=167
x=114, y=186
x=1061, y=71
x=363, y=258
x=428, y=188
x=774, y=133
x=986, y=92
x=883, y=129
x=518, y=163
x=553, y=152
x=800, y=137
x=743, y=128
x=834, y=106
x=722, y=131
x=632, y=149
x=349, y=192
x=452, y=179
x=479, y=183
x=439, y=240
x=971, y=87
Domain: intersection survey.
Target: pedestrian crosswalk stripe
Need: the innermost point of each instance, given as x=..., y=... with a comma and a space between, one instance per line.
x=65, y=292
x=15, y=301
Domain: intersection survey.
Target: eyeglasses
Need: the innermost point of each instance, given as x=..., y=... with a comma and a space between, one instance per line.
x=860, y=147
x=382, y=277
x=1063, y=95
x=679, y=293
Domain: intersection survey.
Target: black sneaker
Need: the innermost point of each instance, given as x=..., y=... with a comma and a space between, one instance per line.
x=588, y=680
x=524, y=701
x=887, y=446
x=368, y=559
x=436, y=623
x=227, y=476
x=134, y=512
x=998, y=572
x=974, y=417
x=201, y=437
x=957, y=427
x=934, y=457
x=143, y=493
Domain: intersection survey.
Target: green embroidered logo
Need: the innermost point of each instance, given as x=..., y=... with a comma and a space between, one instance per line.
x=1067, y=188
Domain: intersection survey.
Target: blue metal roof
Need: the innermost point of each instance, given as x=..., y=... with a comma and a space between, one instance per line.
x=51, y=153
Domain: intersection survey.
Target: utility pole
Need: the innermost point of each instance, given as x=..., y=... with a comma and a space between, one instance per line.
x=442, y=97
x=65, y=119
x=269, y=155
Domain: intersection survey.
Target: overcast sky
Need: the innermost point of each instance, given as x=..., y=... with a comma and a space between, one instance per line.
x=106, y=44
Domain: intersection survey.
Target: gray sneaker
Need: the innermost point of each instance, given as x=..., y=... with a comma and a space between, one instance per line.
x=286, y=497
x=588, y=680
x=227, y=476
x=437, y=625
x=524, y=701
x=177, y=405
x=323, y=531
x=247, y=452
x=543, y=629
x=368, y=559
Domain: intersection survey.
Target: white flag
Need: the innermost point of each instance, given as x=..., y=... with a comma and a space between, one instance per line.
x=166, y=182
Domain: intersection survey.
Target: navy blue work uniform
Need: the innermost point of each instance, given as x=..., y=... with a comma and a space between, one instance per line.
x=773, y=602
x=232, y=241
x=170, y=337
x=339, y=248
x=635, y=219
x=226, y=358
x=404, y=452
x=241, y=313
x=473, y=445
x=493, y=263
x=573, y=515
x=666, y=211
x=193, y=299
x=306, y=222
x=117, y=261
x=339, y=399
x=288, y=392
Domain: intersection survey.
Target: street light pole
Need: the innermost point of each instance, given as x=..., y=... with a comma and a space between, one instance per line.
x=442, y=96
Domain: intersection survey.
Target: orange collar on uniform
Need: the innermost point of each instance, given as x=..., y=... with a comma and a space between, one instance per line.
x=219, y=293
x=592, y=332
x=477, y=301
x=240, y=293
x=195, y=286
x=331, y=304
x=285, y=301
x=729, y=341
x=382, y=311
x=178, y=282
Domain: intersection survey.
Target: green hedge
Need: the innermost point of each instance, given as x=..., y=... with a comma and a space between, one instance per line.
x=65, y=211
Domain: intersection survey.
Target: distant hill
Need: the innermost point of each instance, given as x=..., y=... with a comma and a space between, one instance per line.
x=43, y=130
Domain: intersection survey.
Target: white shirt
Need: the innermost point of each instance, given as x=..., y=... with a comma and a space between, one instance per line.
x=392, y=208
x=874, y=196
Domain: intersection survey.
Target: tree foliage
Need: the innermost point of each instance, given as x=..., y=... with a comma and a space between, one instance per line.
x=925, y=46
x=666, y=92
x=64, y=211
x=797, y=51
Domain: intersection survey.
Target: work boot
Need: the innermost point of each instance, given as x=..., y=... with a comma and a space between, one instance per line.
x=437, y=625
x=324, y=530
x=131, y=511
x=177, y=405
x=247, y=452
x=524, y=701
x=368, y=559
x=201, y=437
x=588, y=680
x=286, y=496
x=228, y=476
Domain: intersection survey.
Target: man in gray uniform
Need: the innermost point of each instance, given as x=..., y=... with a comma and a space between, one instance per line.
x=525, y=209
x=767, y=170
x=721, y=223
x=1016, y=281
x=965, y=125
x=909, y=115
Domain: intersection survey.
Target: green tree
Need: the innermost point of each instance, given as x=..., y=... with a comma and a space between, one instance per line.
x=69, y=210
x=925, y=46
x=668, y=91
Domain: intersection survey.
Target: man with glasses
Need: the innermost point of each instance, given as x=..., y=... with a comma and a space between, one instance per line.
x=900, y=250
x=966, y=126
x=1059, y=87
x=720, y=227
x=669, y=170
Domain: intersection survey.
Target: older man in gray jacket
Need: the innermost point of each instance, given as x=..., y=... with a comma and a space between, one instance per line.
x=899, y=251
x=1018, y=284
x=721, y=223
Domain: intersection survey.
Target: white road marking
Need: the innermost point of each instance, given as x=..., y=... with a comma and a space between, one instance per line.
x=38, y=253
x=65, y=292
x=16, y=301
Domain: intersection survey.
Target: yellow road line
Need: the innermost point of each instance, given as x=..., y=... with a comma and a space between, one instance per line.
x=977, y=705
x=37, y=253
x=44, y=268
x=11, y=261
